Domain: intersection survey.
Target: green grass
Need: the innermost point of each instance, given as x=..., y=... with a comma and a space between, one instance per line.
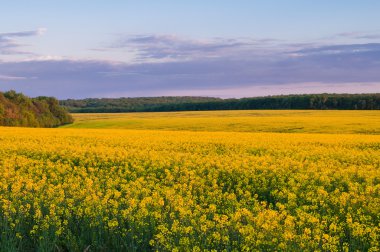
x=284, y=121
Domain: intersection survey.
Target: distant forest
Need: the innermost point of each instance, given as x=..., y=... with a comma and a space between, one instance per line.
x=17, y=109
x=156, y=104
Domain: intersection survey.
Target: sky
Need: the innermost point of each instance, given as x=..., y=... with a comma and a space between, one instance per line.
x=224, y=48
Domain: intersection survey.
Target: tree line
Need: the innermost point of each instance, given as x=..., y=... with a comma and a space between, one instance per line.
x=17, y=109
x=135, y=104
x=163, y=104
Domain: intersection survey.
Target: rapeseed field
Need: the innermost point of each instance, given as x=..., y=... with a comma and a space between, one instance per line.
x=282, y=121
x=162, y=190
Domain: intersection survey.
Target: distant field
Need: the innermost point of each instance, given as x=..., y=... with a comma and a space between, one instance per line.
x=284, y=121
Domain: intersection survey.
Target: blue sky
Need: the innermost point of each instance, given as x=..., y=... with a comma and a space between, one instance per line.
x=76, y=49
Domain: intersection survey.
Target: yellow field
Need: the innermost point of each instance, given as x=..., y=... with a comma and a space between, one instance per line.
x=288, y=121
x=142, y=190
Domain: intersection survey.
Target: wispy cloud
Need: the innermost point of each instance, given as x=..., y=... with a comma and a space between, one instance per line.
x=152, y=47
x=39, y=31
x=9, y=42
x=11, y=78
x=340, y=49
x=360, y=35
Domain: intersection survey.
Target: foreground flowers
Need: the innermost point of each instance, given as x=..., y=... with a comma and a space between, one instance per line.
x=154, y=190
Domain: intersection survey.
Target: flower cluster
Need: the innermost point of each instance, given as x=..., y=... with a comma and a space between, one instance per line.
x=140, y=190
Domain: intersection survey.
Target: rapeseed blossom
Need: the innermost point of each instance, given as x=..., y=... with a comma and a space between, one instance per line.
x=188, y=191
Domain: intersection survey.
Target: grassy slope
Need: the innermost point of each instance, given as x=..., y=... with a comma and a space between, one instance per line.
x=289, y=121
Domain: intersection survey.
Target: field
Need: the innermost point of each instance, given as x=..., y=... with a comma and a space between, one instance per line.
x=284, y=121
x=194, y=181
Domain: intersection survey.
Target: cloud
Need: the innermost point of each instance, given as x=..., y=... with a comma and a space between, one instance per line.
x=39, y=31
x=277, y=89
x=9, y=44
x=336, y=67
x=167, y=64
x=360, y=35
x=153, y=47
x=11, y=78
x=341, y=49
